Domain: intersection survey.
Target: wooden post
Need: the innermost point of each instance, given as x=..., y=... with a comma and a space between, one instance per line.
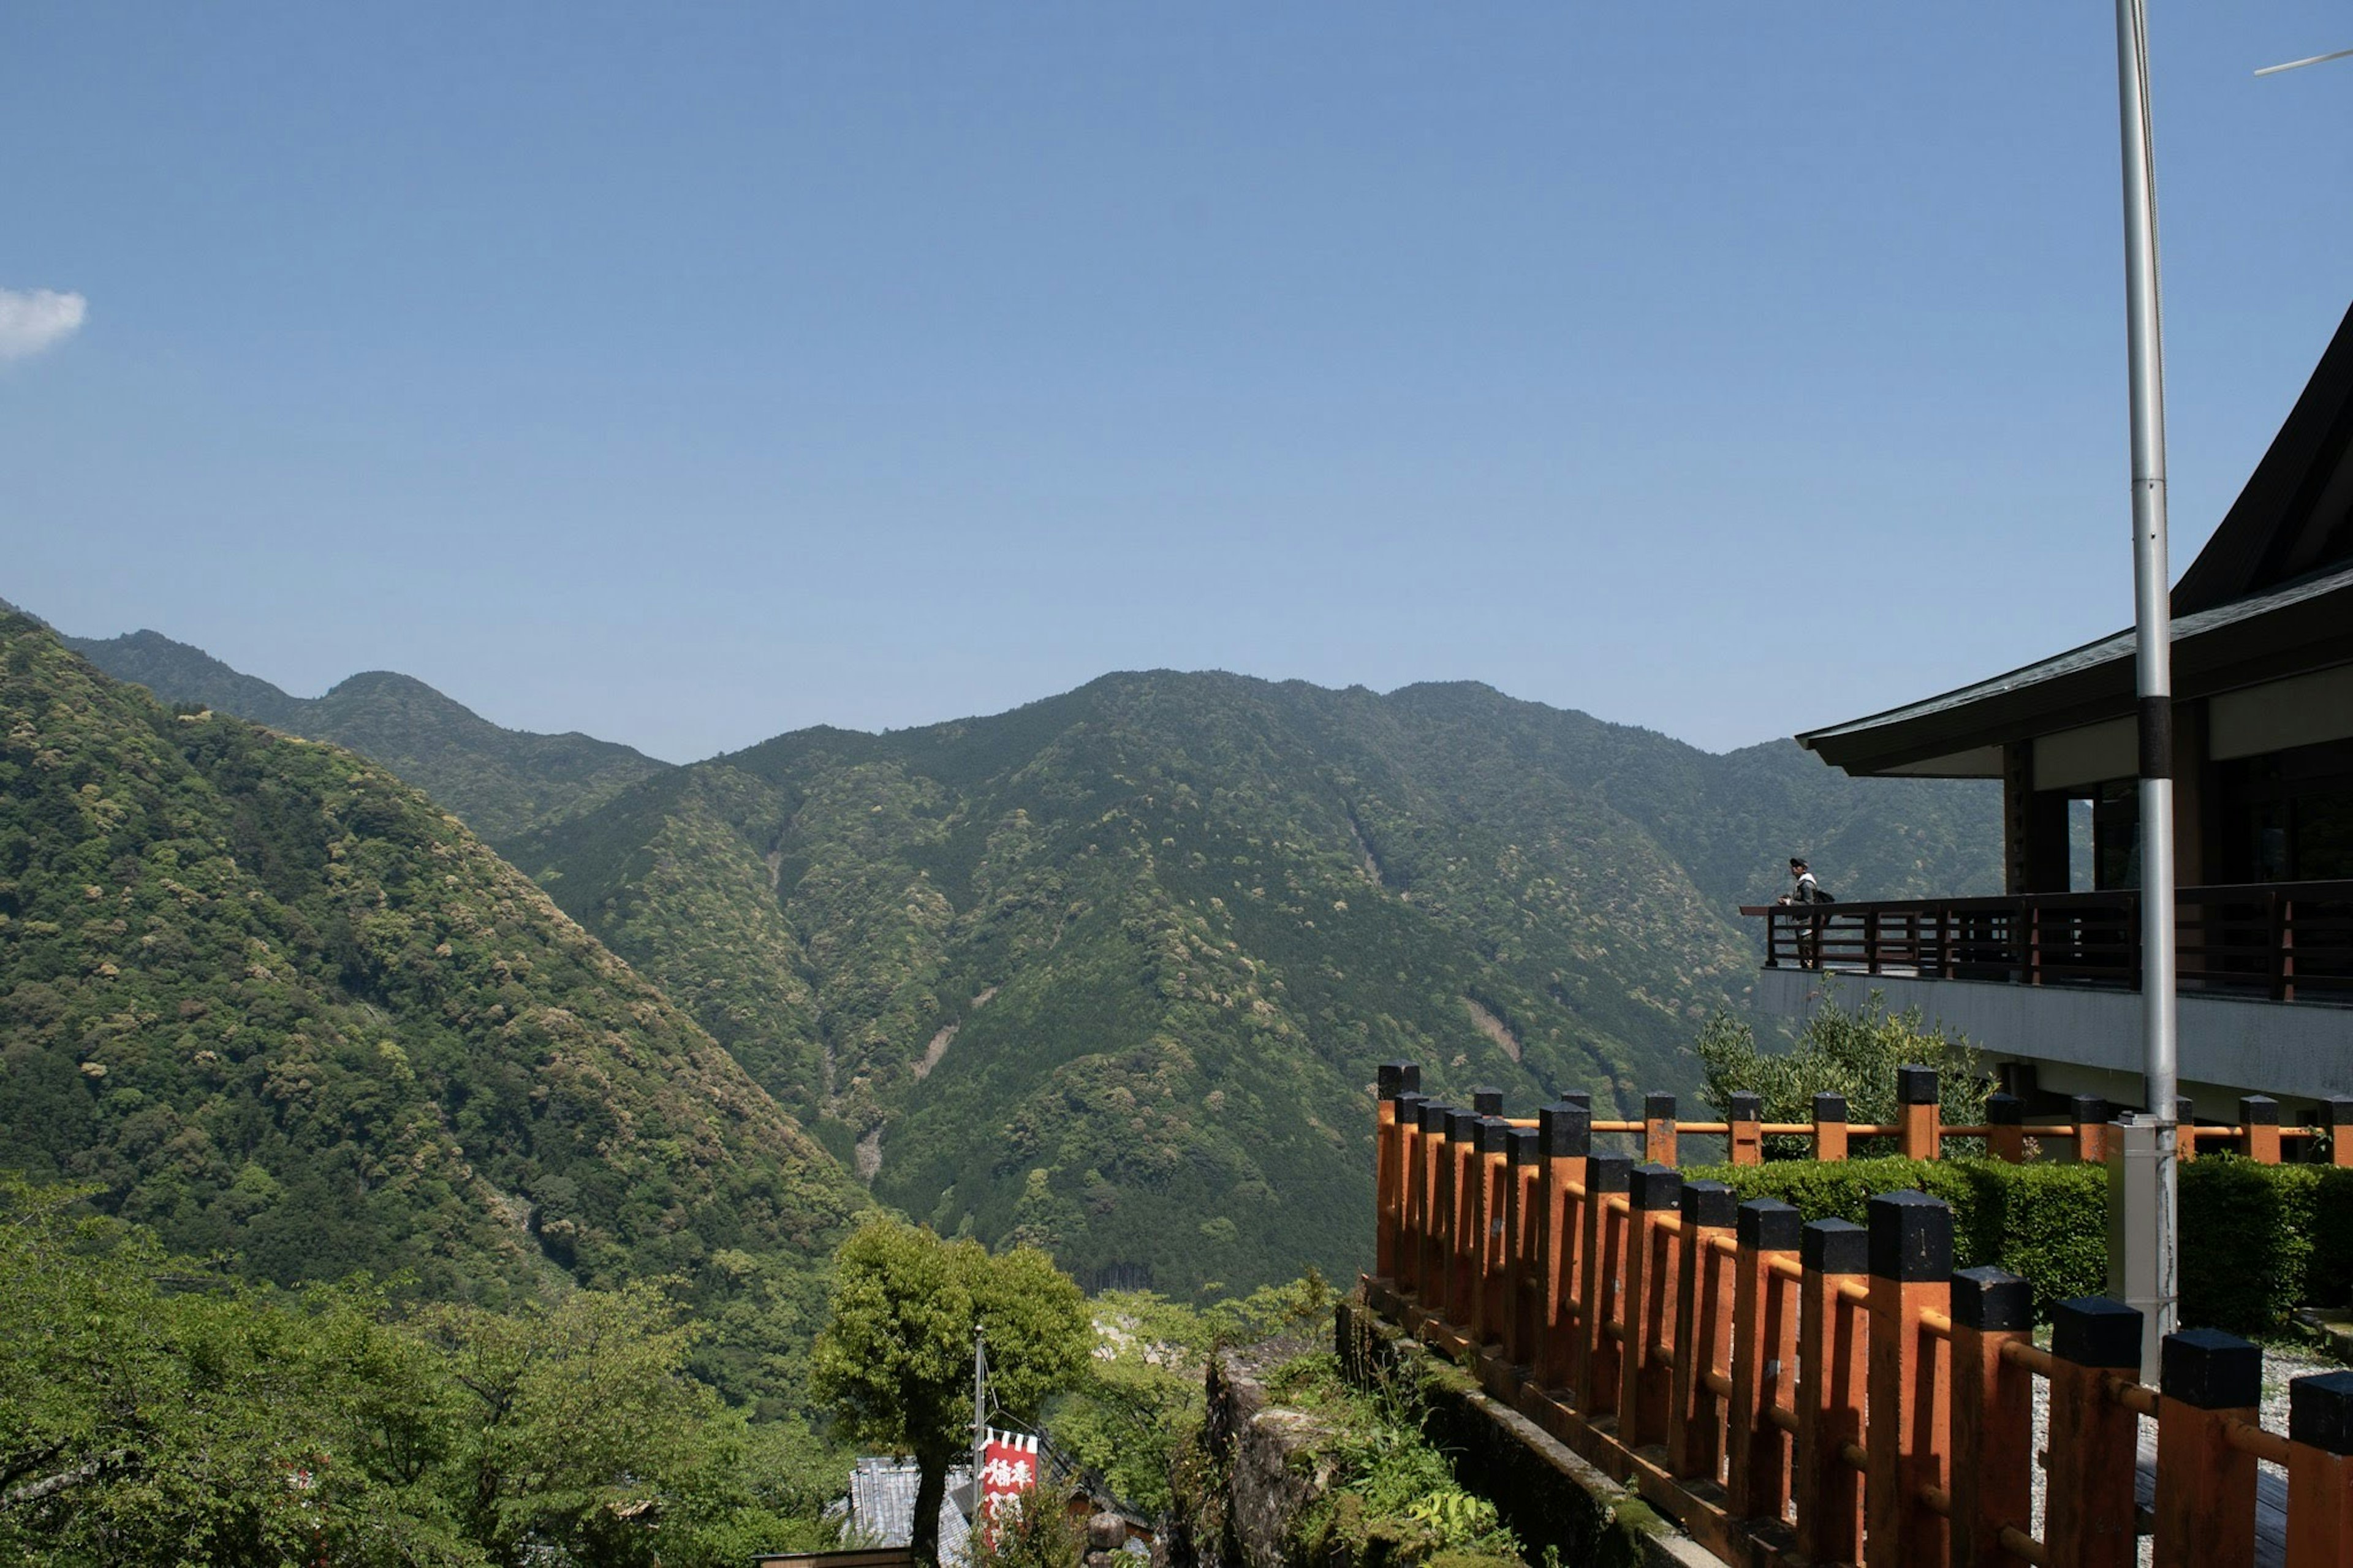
x=1910, y=1398
x=1659, y=1128
x=1915, y=1091
x=1565, y=1132
x=2185, y=1130
x=1764, y=1362
x=2205, y=1491
x=1437, y=1204
x=2005, y=1128
x=1494, y=1176
x=1463, y=1230
x=1703, y=1331
x=2095, y=1441
x=1602, y=1271
x=1520, y=1246
x=2091, y=1113
x=1833, y=1373
x=1746, y=1115
x=1993, y=1417
x=1829, y=1127
x=1390, y=1079
x=2337, y=1116
x=2320, y=1470
x=2259, y=1114
x=1652, y=1193
x=1413, y=1195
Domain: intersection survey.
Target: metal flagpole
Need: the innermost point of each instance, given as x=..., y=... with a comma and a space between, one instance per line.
x=2152, y=1256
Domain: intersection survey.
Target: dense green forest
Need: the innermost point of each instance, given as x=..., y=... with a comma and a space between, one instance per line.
x=499, y=781
x=281, y=1008
x=1108, y=972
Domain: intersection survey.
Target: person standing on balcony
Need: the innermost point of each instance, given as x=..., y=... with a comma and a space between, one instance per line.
x=1808, y=926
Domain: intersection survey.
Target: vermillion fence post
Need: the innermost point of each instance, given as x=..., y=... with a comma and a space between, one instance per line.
x=1764, y=1362
x=1652, y=1193
x=2320, y=1470
x=1462, y=1231
x=2205, y=1491
x=2337, y=1116
x=2095, y=1441
x=1601, y=1288
x=1436, y=1205
x=1829, y=1127
x=1565, y=1133
x=2005, y=1128
x=1747, y=1114
x=1487, y=1262
x=1834, y=1371
x=1391, y=1079
x=1910, y=1395
x=2259, y=1114
x=2184, y=1131
x=1915, y=1091
x=1413, y=1198
x=1659, y=1128
x=1521, y=1215
x=2091, y=1113
x=1993, y=1417
x=1703, y=1331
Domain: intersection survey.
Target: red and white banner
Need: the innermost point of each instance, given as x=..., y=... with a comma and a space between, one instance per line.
x=1008, y=1467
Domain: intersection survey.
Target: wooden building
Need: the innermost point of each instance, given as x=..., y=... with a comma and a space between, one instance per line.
x=2263, y=763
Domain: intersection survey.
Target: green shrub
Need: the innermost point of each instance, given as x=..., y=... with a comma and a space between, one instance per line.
x=2257, y=1241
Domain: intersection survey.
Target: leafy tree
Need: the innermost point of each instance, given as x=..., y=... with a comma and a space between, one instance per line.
x=894, y=1362
x=1841, y=1051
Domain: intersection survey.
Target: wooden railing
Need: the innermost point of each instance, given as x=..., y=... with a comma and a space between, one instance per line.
x=2289, y=942
x=1825, y=1391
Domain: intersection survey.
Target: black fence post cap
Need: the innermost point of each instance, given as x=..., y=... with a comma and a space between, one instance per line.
x=1565, y=1131
x=1911, y=1237
x=1434, y=1114
x=1992, y=1300
x=1524, y=1145
x=1658, y=1108
x=1654, y=1187
x=1606, y=1173
x=1916, y=1085
x=2337, y=1112
x=2088, y=1107
x=2320, y=1412
x=1744, y=1106
x=1487, y=1101
x=1709, y=1204
x=2258, y=1111
x=1829, y=1108
x=2092, y=1331
x=1834, y=1246
x=1768, y=1225
x=1494, y=1135
x=2212, y=1370
x=2005, y=1110
x=1399, y=1077
x=1581, y=1099
x=1462, y=1126
x=1409, y=1109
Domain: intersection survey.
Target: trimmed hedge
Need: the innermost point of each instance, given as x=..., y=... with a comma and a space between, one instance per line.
x=2258, y=1241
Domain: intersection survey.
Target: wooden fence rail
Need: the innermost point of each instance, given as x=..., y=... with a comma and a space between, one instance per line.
x=1826, y=1392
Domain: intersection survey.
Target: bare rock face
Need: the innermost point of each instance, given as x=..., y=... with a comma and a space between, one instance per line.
x=1275, y=1464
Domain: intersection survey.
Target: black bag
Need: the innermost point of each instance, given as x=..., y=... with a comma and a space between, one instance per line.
x=1821, y=894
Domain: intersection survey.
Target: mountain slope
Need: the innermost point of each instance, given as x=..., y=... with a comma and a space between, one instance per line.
x=500, y=782
x=271, y=1000
x=1110, y=970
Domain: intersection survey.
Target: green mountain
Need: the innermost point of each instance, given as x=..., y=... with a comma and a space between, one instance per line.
x=499, y=781
x=270, y=1000
x=1111, y=970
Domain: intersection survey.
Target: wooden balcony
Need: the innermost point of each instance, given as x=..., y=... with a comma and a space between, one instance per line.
x=2283, y=941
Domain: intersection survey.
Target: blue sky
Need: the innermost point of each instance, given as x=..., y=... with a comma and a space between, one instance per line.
x=686, y=375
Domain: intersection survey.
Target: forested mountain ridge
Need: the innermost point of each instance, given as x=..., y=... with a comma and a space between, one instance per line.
x=274, y=1002
x=499, y=781
x=1110, y=970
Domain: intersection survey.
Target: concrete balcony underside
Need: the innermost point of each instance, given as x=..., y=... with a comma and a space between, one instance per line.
x=2088, y=1040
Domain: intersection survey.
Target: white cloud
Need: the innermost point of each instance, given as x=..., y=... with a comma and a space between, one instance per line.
x=33, y=319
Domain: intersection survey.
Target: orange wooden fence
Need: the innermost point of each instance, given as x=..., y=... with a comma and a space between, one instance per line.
x=1826, y=1392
